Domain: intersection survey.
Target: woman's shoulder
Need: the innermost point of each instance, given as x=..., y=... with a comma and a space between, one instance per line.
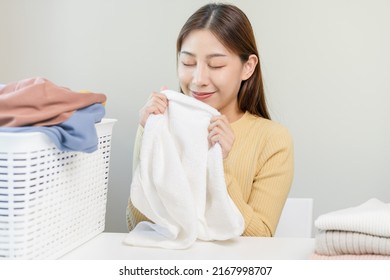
x=265, y=126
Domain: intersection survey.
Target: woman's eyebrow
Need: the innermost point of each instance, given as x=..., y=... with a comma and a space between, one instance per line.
x=208, y=56
x=187, y=53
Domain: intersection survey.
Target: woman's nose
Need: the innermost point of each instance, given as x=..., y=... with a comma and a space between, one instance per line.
x=200, y=75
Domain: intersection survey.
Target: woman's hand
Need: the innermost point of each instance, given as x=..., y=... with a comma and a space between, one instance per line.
x=157, y=104
x=220, y=131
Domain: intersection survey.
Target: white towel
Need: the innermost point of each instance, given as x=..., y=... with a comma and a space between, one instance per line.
x=371, y=217
x=179, y=183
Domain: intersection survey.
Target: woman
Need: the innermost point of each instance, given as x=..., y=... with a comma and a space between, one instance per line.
x=218, y=63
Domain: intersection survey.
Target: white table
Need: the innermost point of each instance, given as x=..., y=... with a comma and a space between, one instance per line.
x=109, y=246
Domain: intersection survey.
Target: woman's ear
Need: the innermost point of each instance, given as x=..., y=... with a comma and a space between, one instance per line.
x=249, y=67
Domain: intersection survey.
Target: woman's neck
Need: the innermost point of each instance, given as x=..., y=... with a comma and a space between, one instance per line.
x=233, y=115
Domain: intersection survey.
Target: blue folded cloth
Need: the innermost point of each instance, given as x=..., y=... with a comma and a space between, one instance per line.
x=78, y=133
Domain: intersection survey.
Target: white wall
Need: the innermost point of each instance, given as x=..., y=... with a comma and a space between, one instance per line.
x=326, y=66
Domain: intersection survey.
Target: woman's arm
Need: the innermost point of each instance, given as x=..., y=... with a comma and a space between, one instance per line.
x=271, y=185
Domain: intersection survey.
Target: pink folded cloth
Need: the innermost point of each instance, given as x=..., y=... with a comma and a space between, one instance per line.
x=315, y=256
x=39, y=102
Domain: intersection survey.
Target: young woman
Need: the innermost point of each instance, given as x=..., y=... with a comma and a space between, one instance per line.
x=218, y=63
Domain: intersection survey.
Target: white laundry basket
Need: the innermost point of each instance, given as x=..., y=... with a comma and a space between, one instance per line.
x=50, y=201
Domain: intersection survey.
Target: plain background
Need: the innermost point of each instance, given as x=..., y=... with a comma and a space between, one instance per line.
x=326, y=68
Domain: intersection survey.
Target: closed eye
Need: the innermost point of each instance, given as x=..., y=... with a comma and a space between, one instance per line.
x=188, y=64
x=216, y=66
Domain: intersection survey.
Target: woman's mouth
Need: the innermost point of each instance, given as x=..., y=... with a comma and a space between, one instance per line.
x=201, y=95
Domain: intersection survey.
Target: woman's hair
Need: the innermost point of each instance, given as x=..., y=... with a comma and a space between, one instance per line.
x=234, y=30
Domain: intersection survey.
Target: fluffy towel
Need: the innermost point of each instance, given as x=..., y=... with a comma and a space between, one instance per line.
x=78, y=133
x=371, y=217
x=179, y=183
x=39, y=102
x=331, y=243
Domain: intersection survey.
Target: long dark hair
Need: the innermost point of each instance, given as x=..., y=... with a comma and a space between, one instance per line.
x=234, y=30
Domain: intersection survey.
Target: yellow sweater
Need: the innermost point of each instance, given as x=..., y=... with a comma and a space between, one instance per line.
x=258, y=173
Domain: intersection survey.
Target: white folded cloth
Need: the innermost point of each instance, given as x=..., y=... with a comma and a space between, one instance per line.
x=371, y=217
x=179, y=183
x=335, y=242
x=315, y=256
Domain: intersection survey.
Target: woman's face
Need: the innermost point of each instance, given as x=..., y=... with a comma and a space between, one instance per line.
x=210, y=72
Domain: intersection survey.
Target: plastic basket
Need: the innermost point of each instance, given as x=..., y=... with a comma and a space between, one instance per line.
x=50, y=201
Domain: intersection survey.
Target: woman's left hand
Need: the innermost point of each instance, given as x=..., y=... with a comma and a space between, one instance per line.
x=221, y=132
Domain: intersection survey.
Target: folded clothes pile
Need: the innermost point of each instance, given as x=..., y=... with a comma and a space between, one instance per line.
x=361, y=232
x=38, y=105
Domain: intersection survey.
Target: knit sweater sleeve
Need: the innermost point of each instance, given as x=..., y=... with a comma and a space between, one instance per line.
x=261, y=209
x=133, y=216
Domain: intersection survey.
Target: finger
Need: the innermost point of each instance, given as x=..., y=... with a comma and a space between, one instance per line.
x=222, y=118
x=215, y=131
x=156, y=109
x=223, y=139
x=218, y=135
x=214, y=139
x=221, y=124
x=158, y=104
x=159, y=98
x=225, y=147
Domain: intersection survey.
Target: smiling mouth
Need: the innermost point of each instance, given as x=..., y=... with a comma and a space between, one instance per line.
x=201, y=95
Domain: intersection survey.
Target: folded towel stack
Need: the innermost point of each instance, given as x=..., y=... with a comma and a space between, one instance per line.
x=361, y=232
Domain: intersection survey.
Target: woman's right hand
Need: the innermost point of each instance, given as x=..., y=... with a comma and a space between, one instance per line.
x=157, y=104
